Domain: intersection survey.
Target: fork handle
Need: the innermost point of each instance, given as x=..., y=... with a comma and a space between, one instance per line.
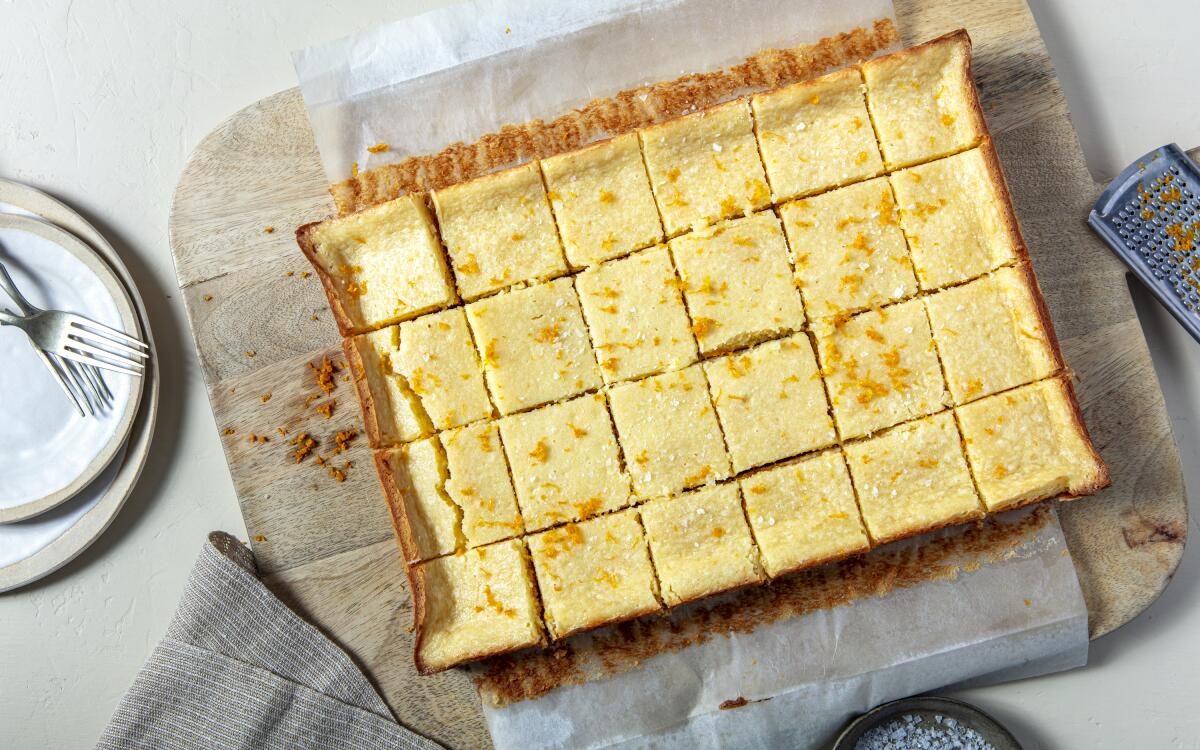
x=10, y=286
x=7, y=317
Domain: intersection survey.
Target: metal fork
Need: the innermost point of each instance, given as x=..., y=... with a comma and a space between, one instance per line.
x=74, y=337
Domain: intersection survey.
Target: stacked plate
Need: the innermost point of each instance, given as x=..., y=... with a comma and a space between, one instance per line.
x=63, y=478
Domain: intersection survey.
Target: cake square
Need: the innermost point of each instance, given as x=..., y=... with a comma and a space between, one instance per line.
x=957, y=216
x=881, y=368
x=705, y=167
x=499, y=231
x=991, y=335
x=602, y=201
x=923, y=100
x=474, y=605
x=636, y=316
x=478, y=483
x=392, y=413
x=803, y=513
x=426, y=520
x=379, y=266
x=668, y=432
x=436, y=359
x=770, y=402
x=534, y=345
x=1029, y=444
x=815, y=135
x=848, y=249
x=913, y=479
x=700, y=543
x=565, y=462
x=594, y=573
x=738, y=283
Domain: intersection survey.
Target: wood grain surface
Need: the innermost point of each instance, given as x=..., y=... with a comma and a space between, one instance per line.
x=327, y=546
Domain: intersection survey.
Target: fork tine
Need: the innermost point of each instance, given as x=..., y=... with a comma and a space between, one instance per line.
x=82, y=334
x=98, y=380
x=81, y=386
x=56, y=370
x=89, y=359
x=87, y=373
x=79, y=345
x=102, y=330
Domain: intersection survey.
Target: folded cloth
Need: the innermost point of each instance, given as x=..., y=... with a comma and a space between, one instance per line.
x=238, y=669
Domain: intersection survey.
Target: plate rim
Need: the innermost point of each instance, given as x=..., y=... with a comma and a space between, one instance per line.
x=96, y=264
x=92, y=525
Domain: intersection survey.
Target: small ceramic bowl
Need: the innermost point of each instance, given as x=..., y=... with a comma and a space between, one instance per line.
x=927, y=708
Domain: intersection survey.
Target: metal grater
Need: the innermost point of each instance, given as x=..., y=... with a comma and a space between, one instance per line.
x=1150, y=216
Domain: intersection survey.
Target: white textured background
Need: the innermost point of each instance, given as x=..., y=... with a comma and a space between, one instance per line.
x=100, y=104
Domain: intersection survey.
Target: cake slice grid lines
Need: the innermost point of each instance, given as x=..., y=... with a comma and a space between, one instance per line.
x=763, y=191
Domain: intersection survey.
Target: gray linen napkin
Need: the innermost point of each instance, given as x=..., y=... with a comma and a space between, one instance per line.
x=238, y=669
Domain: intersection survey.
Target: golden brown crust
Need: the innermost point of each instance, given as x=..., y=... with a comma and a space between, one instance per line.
x=835, y=557
x=362, y=389
x=394, y=496
x=609, y=117
x=416, y=585
x=304, y=240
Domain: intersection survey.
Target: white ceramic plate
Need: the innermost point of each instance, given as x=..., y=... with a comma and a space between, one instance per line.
x=48, y=544
x=48, y=452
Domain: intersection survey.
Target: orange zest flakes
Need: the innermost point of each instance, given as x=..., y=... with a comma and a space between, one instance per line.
x=326, y=409
x=489, y=353
x=718, y=532
x=610, y=309
x=607, y=576
x=840, y=515
x=947, y=120
x=887, y=209
x=703, y=326
x=729, y=205
x=673, y=174
x=589, y=507
x=548, y=334
x=324, y=375
x=974, y=386
x=869, y=390
x=577, y=431
x=699, y=476
x=856, y=123
x=853, y=282
x=379, y=148
x=927, y=463
x=470, y=267
x=305, y=445
x=250, y=352
x=354, y=169
x=228, y=431
x=540, y=452
x=338, y=474
x=758, y=489
x=258, y=438
x=642, y=458
x=268, y=230
x=606, y=197
x=874, y=335
x=862, y=157
x=305, y=274
x=493, y=602
x=266, y=397
x=261, y=538
x=611, y=364
x=207, y=298
x=343, y=439
x=356, y=288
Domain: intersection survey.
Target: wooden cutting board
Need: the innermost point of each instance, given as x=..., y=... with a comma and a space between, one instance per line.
x=258, y=321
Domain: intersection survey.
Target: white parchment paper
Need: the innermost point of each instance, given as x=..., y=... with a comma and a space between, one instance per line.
x=1018, y=617
x=458, y=73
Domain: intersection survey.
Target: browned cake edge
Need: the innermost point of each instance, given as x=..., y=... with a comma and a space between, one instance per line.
x=304, y=240
x=362, y=389
x=394, y=495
